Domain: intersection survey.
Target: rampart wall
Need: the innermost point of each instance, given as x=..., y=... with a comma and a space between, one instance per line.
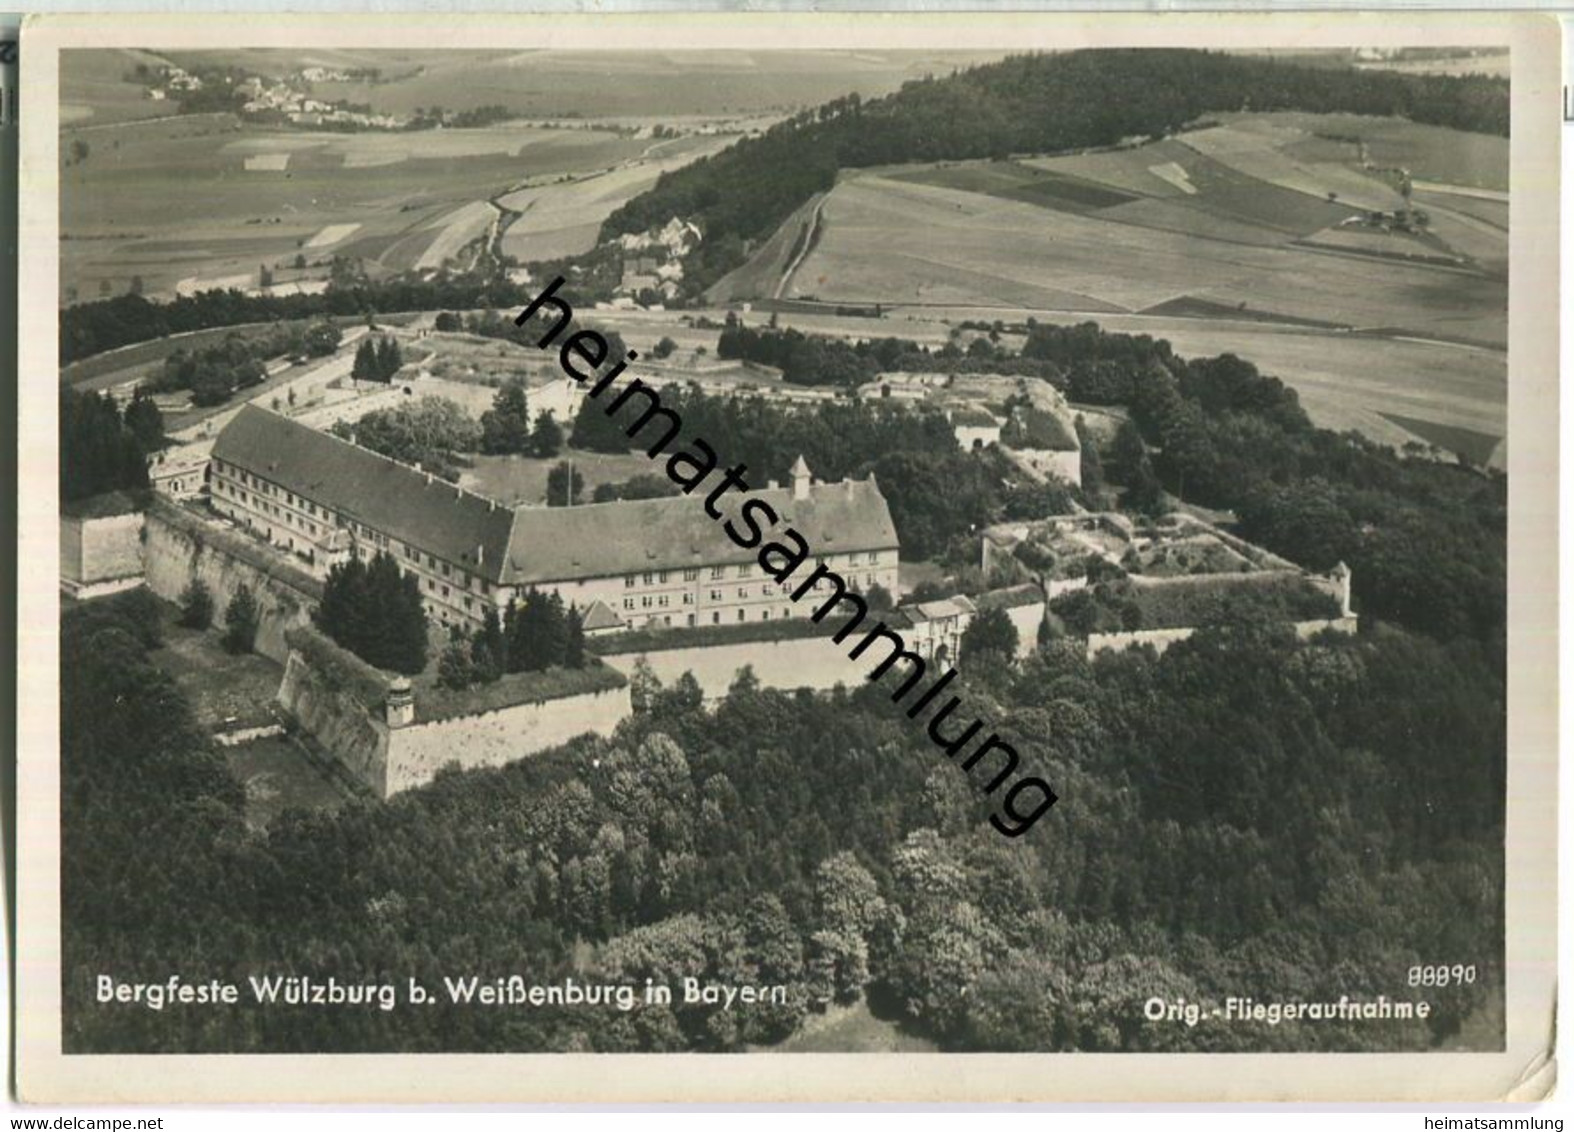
x=178, y=547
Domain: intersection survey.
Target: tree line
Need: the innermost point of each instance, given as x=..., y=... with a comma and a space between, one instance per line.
x=1025, y=104
x=1249, y=814
x=533, y=634
x=937, y=493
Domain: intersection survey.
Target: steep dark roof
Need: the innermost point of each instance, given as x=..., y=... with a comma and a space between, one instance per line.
x=421, y=510
x=555, y=543
x=537, y=544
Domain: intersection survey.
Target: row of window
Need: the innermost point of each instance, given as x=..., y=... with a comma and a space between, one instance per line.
x=664, y=620
x=771, y=589
x=361, y=530
x=745, y=570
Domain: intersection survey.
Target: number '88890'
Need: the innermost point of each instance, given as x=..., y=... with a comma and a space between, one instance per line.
x=1442, y=975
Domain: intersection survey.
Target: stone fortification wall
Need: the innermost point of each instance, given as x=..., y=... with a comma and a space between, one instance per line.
x=416, y=753
x=178, y=547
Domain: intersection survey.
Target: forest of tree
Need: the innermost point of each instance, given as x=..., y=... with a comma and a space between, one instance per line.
x=1249, y=815
x=535, y=632
x=937, y=493
x=103, y=449
x=1426, y=538
x=1025, y=104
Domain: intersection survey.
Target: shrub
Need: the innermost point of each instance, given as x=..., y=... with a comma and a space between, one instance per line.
x=241, y=620
x=196, y=605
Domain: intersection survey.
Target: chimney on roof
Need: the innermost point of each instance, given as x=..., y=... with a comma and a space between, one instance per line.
x=801, y=478
x=480, y=554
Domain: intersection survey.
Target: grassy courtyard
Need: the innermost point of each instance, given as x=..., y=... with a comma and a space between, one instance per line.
x=227, y=692
x=279, y=775
x=515, y=480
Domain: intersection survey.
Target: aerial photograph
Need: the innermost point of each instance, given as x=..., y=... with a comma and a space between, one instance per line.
x=783, y=551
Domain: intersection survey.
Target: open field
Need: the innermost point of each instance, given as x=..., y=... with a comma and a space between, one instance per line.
x=94, y=90
x=1265, y=151
x=1011, y=180
x=762, y=274
x=1431, y=153
x=902, y=243
x=403, y=191
x=1207, y=189
x=601, y=84
x=1357, y=382
x=563, y=219
x=1494, y=63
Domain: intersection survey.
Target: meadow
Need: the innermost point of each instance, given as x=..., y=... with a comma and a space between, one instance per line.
x=413, y=198
x=904, y=243
x=603, y=84
x=94, y=90
x=1430, y=153
x=517, y=480
x=563, y=218
x=1392, y=390
x=763, y=274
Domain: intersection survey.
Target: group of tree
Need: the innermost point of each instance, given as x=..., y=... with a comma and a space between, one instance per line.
x=103, y=449
x=1426, y=539
x=506, y=429
x=377, y=359
x=90, y=328
x=565, y=485
x=536, y=632
x=427, y=433
x=242, y=619
x=1224, y=828
x=215, y=373
x=1025, y=104
x=374, y=609
x=806, y=359
x=937, y=493
x=990, y=636
x=635, y=488
x=476, y=117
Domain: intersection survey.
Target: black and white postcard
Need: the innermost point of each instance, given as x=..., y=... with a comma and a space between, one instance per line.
x=576, y=558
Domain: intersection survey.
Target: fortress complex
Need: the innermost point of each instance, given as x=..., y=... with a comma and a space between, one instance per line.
x=657, y=563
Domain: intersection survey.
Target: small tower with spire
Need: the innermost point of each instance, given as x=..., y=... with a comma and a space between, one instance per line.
x=801, y=478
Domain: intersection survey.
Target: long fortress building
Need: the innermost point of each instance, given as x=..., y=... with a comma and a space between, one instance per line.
x=659, y=562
